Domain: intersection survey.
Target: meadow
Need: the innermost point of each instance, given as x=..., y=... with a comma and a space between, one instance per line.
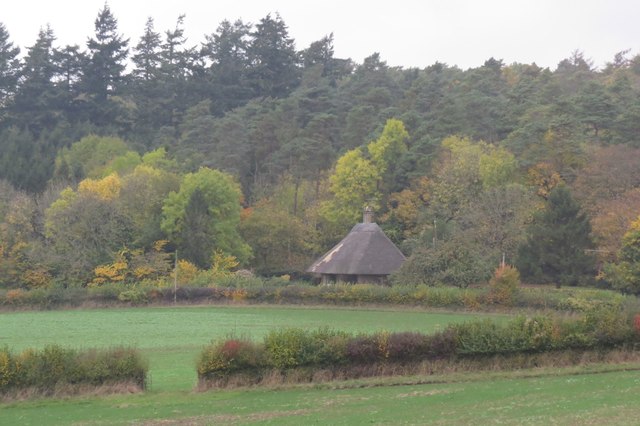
x=172, y=337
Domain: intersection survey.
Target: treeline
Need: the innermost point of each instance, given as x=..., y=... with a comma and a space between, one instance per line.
x=246, y=152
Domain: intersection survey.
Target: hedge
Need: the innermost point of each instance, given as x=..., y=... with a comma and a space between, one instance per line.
x=292, y=349
x=272, y=292
x=54, y=368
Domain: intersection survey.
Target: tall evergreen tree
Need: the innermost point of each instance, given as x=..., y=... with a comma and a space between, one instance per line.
x=104, y=73
x=146, y=87
x=146, y=55
x=227, y=51
x=274, y=61
x=37, y=101
x=9, y=68
x=558, y=240
x=70, y=64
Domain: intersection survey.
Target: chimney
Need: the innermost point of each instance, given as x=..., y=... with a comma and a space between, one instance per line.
x=367, y=215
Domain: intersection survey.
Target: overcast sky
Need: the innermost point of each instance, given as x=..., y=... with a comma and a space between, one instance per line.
x=407, y=33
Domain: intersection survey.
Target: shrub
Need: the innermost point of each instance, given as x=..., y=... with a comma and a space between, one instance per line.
x=609, y=326
x=7, y=368
x=286, y=348
x=520, y=335
x=443, y=344
x=407, y=346
x=15, y=297
x=294, y=347
x=53, y=366
x=105, y=293
x=228, y=356
x=134, y=296
x=504, y=285
x=298, y=353
x=362, y=349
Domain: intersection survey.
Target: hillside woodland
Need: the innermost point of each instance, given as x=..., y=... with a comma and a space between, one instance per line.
x=242, y=151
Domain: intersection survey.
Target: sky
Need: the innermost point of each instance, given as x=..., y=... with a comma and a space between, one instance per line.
x=406, y=33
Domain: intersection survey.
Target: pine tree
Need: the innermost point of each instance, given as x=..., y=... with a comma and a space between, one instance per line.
x=9, y=68
x=147, y=54
x=37, y=101
x=108, y=52
x=274, y=61
x=556, y=250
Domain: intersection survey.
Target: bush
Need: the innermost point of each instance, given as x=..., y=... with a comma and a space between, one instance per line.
x=8, y=369
x=330, y=352
x=294, y=347
x=609, y=326
x=504, y=285
x=54, y=366
x=228, y=356
x=134, y=296
x=520, y=335
x=442, y=345
x=363, y=349
x=408, y=346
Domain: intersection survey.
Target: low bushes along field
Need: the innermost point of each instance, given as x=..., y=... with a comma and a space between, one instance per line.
x=278, y=291
x=55, y=370
x=328, y=354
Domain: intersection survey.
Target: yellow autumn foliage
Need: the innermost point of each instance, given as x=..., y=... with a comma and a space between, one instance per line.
x=107, y=188
x=222, y=264
x=187, y=272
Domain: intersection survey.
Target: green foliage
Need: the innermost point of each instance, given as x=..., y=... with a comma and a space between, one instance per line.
x=204, y=215
x=451, y=263
x=133, y=296
x=465, y=168
x=354, y=185
x=291, y=348
x=123, y=164
x=280, y=242
x=625, y=274
x=557, y=243
x=85, y=229
x=520, y=335
x=55, y=366
x=295, y=347
x=247, y=103
x=388, y=148
x=89, y=157
x=227, y=356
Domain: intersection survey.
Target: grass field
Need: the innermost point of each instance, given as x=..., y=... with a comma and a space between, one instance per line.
x=172, y=337
x=609, y=398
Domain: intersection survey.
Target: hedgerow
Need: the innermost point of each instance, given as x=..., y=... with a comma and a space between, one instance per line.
x=279, y=291
x=54, y=367
x=294, y=350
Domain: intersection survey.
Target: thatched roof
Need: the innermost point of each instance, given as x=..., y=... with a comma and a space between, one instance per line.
x=366, y=250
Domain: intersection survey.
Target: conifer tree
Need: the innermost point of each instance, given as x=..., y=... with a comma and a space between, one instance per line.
x=108, y=52
x=558, y=243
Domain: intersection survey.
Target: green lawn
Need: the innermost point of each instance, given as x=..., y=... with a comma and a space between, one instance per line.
x=172, y=337
x=593, y=399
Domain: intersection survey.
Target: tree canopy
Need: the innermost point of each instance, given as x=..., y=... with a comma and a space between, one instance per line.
x=247, y=145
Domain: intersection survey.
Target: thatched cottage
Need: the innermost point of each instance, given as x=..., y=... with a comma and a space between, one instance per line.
x=365, y=255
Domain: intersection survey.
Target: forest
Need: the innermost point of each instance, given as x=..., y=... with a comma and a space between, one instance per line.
x=243, y=152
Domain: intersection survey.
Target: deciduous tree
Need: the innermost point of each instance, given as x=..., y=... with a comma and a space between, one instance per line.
x=204, y=216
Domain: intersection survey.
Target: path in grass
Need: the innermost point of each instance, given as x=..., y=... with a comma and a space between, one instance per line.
x=593, y=399
x=173, y=336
